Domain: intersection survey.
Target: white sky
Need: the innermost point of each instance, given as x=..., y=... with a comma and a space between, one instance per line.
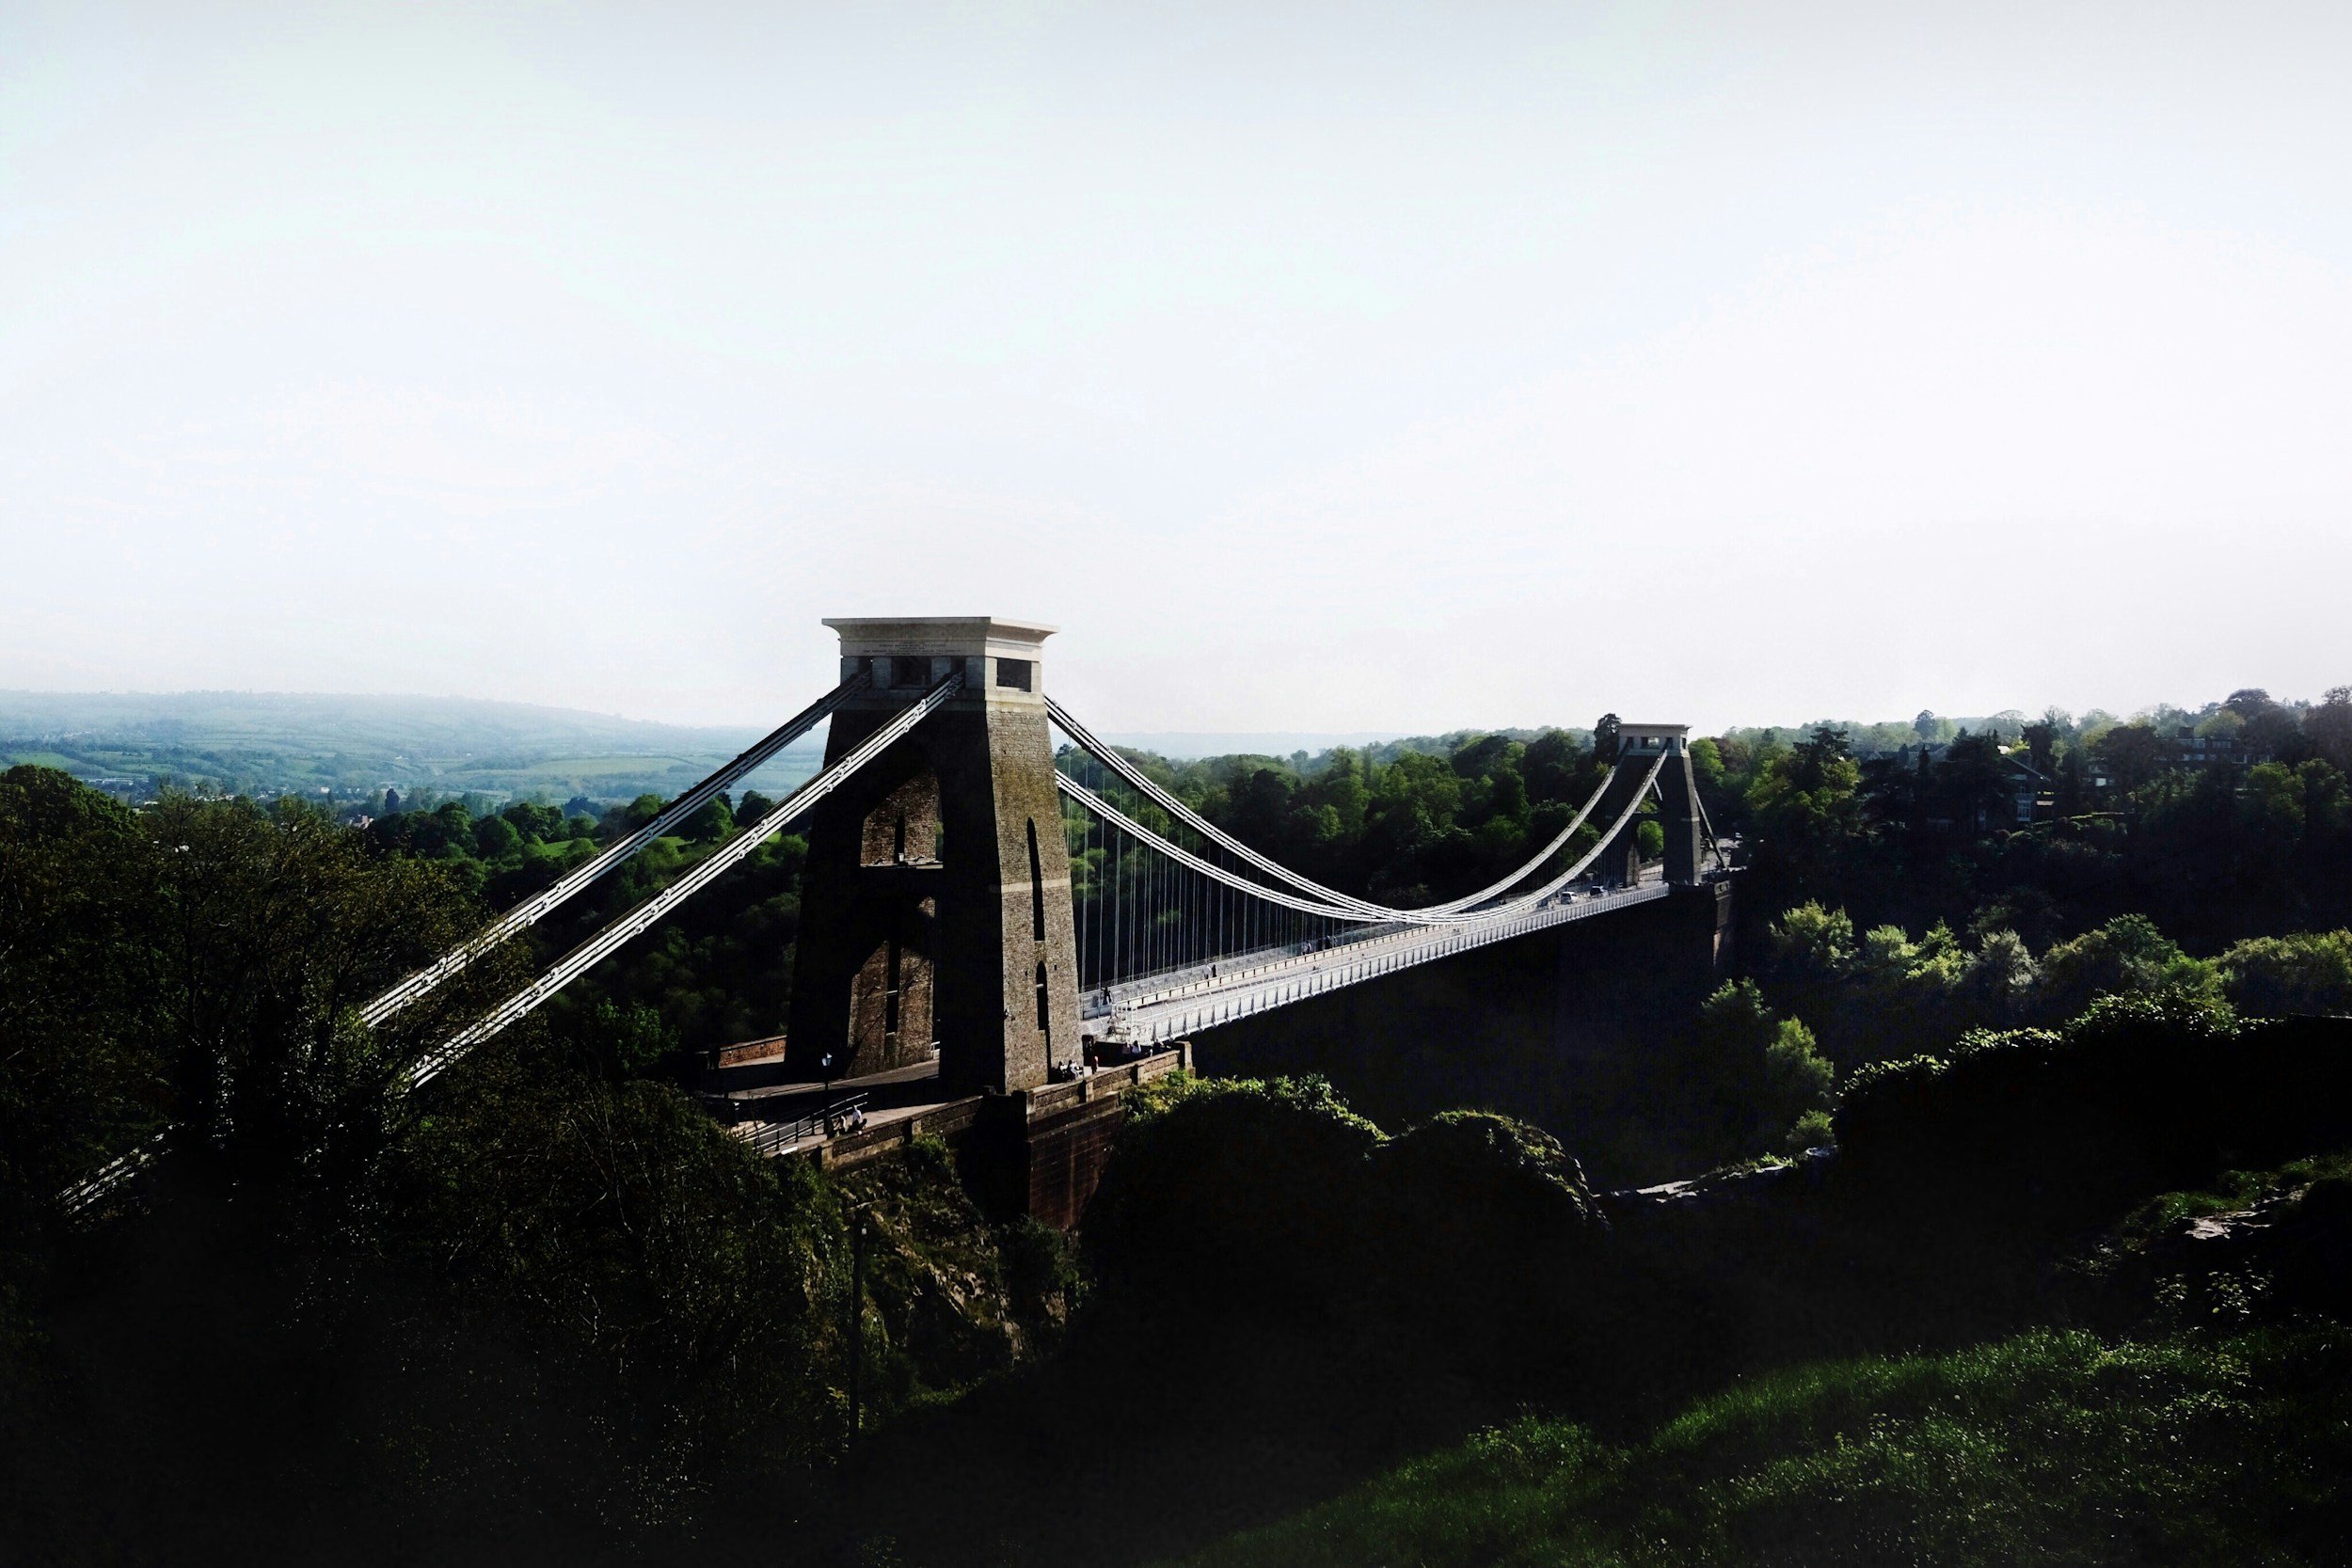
x=1314, y=368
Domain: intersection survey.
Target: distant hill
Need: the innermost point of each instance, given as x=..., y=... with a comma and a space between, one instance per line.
x=352, y=747
x=1381, y=746
x=1185, y=745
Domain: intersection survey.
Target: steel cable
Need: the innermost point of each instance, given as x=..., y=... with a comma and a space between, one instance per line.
x=1329, y=897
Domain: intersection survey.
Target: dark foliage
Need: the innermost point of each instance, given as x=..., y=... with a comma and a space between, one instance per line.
x=540, y=1308
x=718, y=969
x=1488, y=1241
x=2242, y=828
x=2135, y=1096
x=1243, y=1193
x=1469, y=1240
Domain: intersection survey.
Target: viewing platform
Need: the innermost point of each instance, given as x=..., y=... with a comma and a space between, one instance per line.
x=1045, y=1147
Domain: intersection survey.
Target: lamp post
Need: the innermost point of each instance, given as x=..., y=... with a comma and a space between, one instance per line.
x=857, y=1318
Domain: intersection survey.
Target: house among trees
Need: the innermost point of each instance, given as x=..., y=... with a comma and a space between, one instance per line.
x=2237, y=749
x=1966, y=784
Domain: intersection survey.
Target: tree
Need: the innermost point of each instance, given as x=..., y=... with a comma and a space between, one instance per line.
x=215, y=952
x=1806, y=803
x=1797, y=1085
x=1975, y=782
x=2002, y=976
x=1553, y=765
x=2277, y=731
x=494, y=838
x=2326, y=801
x=454, y=822
x=1509, y=799
x=2328, y=727
x=2305, y=973
x=1890, y=790
x=1342, y=788
x=1815, y=942
x=80, y=1073
x=2221, y=724
x=1479, y=758
x=2041, y=744
x=2131, y=753
x=1755, y=1075
x=537, y=823
x=631, y=817
x=1605, y=737
x=1707, y=764
x=1260, y=808
x=2127, y=957
x=2282, y=807
x=1817, y=752
x=711, y=821
x=273, y=925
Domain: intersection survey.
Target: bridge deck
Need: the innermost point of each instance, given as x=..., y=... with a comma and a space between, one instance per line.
x=1181, y=1001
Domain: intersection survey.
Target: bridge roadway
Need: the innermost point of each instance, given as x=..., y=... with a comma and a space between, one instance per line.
x=1173, y=1004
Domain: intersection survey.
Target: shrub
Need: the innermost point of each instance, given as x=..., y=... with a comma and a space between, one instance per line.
x=2310, y=971
x=1236, y=1193
x=1041, y=1265
x=1472, y=1237
x=1813, y=941
x=1812, y=1129
x=1489, y=1235
x=2002, y=976
x=2127, y=957
x=1797, y=1078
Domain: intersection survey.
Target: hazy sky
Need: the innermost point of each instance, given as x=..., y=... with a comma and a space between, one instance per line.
x=1314, y=368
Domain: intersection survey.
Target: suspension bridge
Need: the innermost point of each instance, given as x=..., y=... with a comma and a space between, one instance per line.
x=996, y=902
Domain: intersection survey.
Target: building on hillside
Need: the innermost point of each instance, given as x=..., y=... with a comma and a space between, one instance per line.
x=2186, y=748
x=2034, y=791
x=2032, y=794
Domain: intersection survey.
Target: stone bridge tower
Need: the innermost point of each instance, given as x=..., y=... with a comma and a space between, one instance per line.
x=942, y=870
x=1639, y=746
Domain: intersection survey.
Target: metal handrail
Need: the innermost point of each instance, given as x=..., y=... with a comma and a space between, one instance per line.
x=778, y=1137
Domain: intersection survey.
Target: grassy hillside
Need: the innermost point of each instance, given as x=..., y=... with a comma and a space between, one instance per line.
x=2051, y=1447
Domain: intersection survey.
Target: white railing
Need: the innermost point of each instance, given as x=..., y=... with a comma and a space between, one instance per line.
x=1204, y=1002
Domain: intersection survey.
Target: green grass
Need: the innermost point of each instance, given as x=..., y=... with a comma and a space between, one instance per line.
x=2051, y=1448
